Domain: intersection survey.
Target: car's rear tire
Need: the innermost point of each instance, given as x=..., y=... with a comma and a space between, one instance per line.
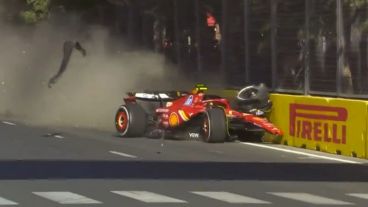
x=215, y=127
x=131, y=120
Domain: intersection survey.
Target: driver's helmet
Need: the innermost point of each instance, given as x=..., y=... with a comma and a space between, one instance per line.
x=199, y=88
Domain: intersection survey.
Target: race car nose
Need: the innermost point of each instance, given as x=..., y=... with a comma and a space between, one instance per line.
x=277, y=132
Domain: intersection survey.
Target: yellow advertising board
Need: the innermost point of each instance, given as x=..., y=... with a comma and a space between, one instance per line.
x=331, y=125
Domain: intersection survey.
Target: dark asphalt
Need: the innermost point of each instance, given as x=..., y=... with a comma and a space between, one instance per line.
x=93, y=163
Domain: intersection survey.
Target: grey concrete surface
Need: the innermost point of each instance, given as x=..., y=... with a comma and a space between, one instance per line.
x=94, y=163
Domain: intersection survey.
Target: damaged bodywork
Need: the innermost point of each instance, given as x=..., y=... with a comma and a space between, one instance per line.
x=196, y=114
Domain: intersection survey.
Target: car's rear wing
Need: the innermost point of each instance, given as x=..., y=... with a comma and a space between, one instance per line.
x=154, y=96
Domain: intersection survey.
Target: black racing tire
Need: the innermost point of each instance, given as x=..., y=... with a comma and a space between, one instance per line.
x=215, y=127
x=251, y=136
x=131, y=120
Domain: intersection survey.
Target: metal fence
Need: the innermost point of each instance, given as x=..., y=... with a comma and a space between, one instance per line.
x=295, y=46
x=314, y=47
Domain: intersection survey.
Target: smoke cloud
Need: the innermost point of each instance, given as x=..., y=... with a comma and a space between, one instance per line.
x=92, y=87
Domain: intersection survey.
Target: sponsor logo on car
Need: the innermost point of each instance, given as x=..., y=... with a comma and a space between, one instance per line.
x=173, y=119
x=318, y=123
x=162, y=110
x=189, y=101
x=193, y=135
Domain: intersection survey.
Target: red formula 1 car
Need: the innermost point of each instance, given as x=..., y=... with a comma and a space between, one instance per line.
x=196, y=114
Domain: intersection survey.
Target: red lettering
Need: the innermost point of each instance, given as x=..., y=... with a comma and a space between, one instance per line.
x=326, y=138
x=317, y=131
x=306, y=129
x=334, y=134
x=317, y=127
x=298, y=128
x=343, y=134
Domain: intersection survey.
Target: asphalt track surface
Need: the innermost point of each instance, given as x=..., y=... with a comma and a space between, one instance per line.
x=81, y=167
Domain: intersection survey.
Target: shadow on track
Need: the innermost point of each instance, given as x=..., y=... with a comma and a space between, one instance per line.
x=68, y=169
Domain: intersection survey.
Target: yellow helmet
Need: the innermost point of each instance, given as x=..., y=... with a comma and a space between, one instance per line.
x=198, y=88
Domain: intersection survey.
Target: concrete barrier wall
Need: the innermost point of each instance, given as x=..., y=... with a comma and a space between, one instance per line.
x=330, y=125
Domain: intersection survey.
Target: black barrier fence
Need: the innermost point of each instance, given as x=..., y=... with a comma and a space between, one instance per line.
x=295, y=46
x=317, y=47
x=314, y=47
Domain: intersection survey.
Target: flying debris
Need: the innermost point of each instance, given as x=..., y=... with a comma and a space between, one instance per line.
x=68, y=50
x=54, y=135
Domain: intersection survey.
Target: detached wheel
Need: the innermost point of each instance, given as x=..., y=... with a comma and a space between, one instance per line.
x=214, y=126
x=131, y=121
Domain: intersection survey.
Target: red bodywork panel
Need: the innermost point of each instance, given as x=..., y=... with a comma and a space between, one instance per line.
x=185, y=108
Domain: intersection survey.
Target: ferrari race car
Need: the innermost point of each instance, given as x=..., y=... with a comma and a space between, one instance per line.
x=196, y=115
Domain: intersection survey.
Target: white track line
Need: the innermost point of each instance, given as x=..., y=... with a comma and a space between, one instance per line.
x=301, y=153
x=66, y=198
x=310, y=198
x=123, y=154
x=8, y=123
x=359, y=195
x=6, y=202
x=230, y=197
x=148, y=197
x=58, y=136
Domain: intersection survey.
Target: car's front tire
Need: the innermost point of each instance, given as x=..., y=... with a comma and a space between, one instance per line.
x=214, y=126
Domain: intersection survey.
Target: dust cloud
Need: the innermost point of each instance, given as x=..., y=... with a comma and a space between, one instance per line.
x=91, y=89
